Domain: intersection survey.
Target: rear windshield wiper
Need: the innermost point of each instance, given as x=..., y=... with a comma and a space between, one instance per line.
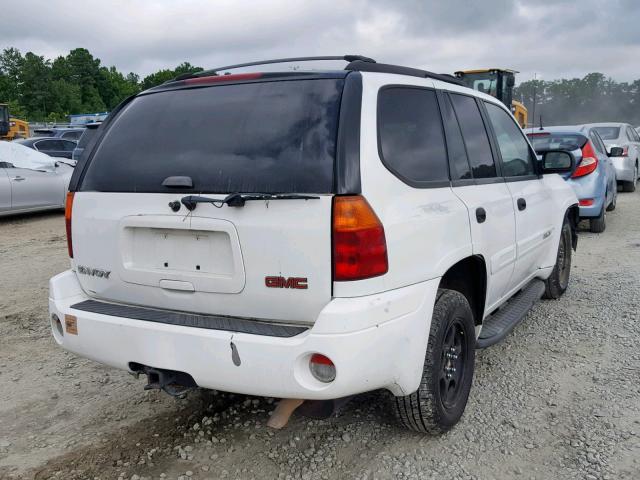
x=239, y=199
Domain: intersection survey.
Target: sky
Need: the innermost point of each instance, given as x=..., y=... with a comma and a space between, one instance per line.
x=549, y=38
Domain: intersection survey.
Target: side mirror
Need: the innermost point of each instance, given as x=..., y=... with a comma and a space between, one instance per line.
x=557, y=161
x=616, y=152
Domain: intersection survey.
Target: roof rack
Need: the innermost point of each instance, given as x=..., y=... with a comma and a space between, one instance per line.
x=359, y=66
x=357, y=63
x=346, y=58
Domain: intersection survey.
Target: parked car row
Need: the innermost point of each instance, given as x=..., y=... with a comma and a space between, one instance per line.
x=606, y=156
x=61, y=142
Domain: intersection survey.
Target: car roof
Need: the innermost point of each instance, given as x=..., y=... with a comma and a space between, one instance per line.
x=606, y=124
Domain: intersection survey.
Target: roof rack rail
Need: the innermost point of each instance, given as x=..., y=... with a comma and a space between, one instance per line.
x=213, y=71
x=361, y=66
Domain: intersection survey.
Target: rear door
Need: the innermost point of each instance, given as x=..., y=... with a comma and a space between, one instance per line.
x=35, y=188
x=5, y=189
x=478, y=183
x=532, y=200
x=266, y=259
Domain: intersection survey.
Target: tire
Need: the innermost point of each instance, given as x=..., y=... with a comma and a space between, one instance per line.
x=631, y=186
x=442, y=396
x=612, y=205
x=599, y=223
x=558, y=281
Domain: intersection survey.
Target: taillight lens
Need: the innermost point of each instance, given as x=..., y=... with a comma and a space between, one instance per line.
x=588, y=163
x=68, y=206
x=359, y=244
x=625, y=151
x=585, y=202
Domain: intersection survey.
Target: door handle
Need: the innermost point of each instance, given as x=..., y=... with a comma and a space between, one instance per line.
x=18, y=179
x=481, y=214
x=522, y=204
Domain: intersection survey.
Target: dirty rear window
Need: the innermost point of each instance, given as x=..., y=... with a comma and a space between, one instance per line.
x=272, y=137
x=556, y=141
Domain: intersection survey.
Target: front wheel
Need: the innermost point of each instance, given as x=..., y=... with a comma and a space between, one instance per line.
x=599, y=223
x=447, y=372
x=558, y=281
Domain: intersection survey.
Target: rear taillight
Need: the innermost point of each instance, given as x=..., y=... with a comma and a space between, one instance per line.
x=588, y=163
x=585, y=202
x=625, y=151
x=68, y=206
x=359, y=244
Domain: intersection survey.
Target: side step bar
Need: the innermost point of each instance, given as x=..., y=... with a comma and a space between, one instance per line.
x=499, y=324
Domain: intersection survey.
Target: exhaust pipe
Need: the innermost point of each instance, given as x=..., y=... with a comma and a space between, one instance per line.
x=175, y=383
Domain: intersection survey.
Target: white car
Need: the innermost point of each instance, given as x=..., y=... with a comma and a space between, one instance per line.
x=623, y=145
x=311, y=235
x=31, y=181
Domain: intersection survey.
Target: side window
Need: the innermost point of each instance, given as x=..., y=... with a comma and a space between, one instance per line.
x=68, y=146
x=635, y=135
x=410, y=135
x=630, y=134
x=46, y=145
x=459, y=163
x=475, y=136
x=73, y=135
x=517, y=160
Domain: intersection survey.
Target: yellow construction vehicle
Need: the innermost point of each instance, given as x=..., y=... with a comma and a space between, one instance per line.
x=11, y=128
x=498, y=82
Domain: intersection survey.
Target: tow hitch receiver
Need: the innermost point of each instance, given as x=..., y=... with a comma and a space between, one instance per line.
x=172, y=382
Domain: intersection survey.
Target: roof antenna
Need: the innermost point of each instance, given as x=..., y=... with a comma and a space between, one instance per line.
x=541, y=127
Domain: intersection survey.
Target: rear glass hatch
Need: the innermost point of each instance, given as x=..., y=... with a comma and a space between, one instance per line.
x=292, y=136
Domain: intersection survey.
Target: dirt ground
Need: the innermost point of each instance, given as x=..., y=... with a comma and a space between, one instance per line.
x=559, y=398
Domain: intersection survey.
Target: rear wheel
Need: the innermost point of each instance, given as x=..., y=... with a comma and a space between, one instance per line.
x=447, y=372
x=631, y=185
x=598, y=224
x=612, y=205
x=558, y=281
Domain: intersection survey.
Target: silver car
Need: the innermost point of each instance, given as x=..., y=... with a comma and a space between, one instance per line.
x=627, y=140
x=30, y=180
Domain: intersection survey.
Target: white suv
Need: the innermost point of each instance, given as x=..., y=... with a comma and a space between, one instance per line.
x=311, y=235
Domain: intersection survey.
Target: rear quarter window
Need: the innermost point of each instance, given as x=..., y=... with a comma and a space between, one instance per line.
x=411, y=137
x=271, y=137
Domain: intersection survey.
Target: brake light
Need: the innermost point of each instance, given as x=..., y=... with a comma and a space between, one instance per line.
x=223, y=78
x=585, y=202
x=588, y=163
x=68, y=206
x=359, y=243
x=625, y=151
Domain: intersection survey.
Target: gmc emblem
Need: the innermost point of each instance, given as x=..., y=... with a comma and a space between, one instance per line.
x=282, y=282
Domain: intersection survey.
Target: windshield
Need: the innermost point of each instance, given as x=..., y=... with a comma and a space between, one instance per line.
x=485, y=82
x=272, y=137
x=608, y=133
x=556, y=141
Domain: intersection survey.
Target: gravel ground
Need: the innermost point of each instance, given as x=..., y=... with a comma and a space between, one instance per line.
x=559, y=398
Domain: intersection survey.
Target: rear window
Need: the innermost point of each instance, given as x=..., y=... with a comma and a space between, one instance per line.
x=608, y=133
x=556, y=141
x=42, y=133
x=271, y=137
x=411, y=136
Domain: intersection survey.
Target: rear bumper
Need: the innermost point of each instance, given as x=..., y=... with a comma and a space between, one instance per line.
x=624, y=168
x=377, y=341
x=590, y=186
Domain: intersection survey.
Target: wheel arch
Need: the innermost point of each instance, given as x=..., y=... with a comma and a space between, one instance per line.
x=469, y=277
x=573, y=215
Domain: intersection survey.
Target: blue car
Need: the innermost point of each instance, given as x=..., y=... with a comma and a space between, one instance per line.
x=593, y=177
